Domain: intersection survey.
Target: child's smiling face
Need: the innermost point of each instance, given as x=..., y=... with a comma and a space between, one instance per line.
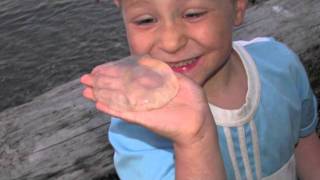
x=193, y=36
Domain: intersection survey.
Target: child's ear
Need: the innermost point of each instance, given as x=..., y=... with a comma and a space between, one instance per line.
x=240, y=10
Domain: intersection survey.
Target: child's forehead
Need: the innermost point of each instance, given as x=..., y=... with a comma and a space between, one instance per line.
x=153, y=1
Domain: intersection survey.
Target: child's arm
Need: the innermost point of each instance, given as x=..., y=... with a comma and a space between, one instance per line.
x=200, y=159
x=186, y=120
x=308, y=157
x=308, y=148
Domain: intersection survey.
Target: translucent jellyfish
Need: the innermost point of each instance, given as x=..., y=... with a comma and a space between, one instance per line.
x=137, y=84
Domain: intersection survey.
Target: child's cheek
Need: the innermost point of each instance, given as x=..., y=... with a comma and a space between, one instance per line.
x=139, y=43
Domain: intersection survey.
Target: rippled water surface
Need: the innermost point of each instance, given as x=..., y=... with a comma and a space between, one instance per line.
x=47, y=43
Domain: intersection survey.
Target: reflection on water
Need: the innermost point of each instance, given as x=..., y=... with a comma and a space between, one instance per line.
x=47, y=43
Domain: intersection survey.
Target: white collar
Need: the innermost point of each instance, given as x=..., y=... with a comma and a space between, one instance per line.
x=238, y=117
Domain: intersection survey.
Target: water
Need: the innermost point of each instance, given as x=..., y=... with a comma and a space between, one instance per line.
x=46, y=43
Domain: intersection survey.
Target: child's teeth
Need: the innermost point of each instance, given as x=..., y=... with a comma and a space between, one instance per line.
x=184, y=63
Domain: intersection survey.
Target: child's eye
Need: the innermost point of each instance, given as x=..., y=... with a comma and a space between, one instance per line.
x=144, y=20
x=194, y=14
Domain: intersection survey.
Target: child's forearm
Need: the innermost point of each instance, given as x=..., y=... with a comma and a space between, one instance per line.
x=200, y=159
x=307, y=157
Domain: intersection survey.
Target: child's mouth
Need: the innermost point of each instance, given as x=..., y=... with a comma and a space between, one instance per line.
x=184, y=66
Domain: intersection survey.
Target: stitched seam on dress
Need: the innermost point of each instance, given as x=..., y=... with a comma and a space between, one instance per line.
x=256, y=151
x=232, y=153
x=244, y=153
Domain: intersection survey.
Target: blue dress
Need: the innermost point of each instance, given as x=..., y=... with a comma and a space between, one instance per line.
x=257, y=141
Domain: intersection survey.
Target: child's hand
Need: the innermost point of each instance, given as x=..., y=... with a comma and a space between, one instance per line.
x=183, y=120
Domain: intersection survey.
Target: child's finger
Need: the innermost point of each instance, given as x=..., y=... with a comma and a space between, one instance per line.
x=87, y=80
x=106, y=82
x=108, y=70
x=88, y=93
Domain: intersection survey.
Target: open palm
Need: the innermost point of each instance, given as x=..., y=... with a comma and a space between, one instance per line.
x=180, y=118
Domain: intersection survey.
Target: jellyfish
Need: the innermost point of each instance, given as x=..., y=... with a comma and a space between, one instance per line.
x=137, y=83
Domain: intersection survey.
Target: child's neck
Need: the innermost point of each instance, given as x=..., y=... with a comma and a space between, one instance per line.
x=228, y=88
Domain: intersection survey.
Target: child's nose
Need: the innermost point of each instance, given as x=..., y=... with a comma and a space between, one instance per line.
x=172, y=38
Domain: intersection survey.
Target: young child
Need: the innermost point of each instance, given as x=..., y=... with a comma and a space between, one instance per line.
x=245, y=110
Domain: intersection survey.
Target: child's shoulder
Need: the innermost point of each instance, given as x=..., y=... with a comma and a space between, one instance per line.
x=277, y=65
x=269, y=49
x=268, y=53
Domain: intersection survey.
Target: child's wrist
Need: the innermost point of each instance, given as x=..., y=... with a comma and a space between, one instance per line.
x=200, y=157
x=199, y=136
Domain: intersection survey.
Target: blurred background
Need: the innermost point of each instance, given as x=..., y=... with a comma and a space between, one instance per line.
x=46, y=43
